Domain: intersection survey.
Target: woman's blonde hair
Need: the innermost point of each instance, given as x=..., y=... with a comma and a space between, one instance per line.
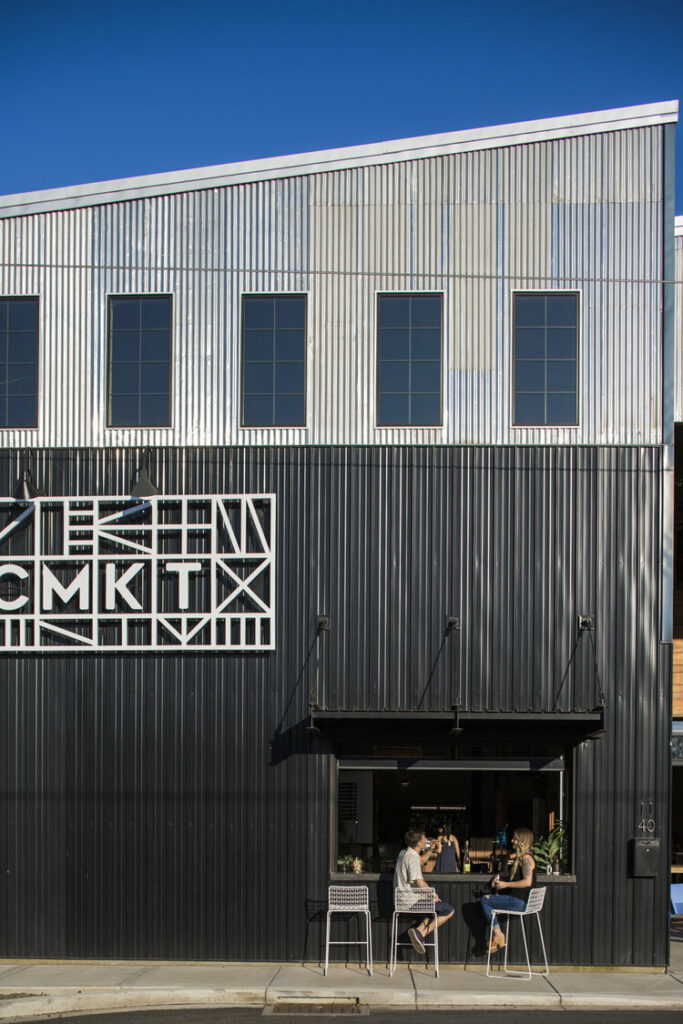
x=525, y=840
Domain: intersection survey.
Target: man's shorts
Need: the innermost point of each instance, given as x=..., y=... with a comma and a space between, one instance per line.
x=442, y=908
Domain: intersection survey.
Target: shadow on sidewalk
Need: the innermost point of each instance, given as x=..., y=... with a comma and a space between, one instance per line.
x=676, y=934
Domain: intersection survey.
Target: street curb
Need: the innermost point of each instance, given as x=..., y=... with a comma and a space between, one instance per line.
x=43, y=1006
x=614, y=1002
x=533, y=1001
x=36, y=1007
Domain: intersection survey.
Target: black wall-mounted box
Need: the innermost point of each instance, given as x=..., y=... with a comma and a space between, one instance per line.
x=645, y=857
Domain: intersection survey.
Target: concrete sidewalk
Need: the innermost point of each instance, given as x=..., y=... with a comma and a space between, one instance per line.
x=31, y=991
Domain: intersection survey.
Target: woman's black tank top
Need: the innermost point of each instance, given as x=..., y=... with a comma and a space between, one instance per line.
x=523, y=893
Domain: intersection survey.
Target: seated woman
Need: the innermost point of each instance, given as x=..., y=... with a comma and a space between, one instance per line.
x=522, y=881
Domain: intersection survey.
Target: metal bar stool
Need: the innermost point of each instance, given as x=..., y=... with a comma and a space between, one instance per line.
x=417, y=903
x=534, y=906
x=349, y=899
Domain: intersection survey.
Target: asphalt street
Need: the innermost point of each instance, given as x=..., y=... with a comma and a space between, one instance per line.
x=383, y=1016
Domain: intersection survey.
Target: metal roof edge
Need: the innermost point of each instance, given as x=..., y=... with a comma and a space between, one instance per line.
x=316, y=162
x=678, y=226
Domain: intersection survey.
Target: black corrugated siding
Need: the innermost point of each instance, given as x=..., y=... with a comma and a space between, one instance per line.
x=176, y=806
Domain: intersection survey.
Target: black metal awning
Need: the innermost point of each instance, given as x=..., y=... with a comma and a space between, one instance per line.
x=518, y=764
x=412, y=734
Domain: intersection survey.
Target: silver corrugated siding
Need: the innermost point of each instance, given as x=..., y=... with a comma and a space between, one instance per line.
x=582, y=212
x=678, y=395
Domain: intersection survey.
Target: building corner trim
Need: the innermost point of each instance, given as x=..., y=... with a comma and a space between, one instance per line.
x=668, y=374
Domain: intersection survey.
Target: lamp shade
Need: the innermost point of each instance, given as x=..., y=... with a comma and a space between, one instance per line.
x=26, y=490
x=143, y=486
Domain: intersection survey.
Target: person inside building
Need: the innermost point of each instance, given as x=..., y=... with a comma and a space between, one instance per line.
x=448, y=851
x=429, y=855
x=408, y=875
x=516, y=890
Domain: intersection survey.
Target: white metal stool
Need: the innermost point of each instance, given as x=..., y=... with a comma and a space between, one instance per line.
x=534, y=906
x=349, y=899
x=417, y=903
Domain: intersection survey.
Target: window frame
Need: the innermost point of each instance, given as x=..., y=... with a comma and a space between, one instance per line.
x=33, y=298
x=245, y=296
x=563, y=767
x=409, y=294
x=513, y=392
x=109, y=364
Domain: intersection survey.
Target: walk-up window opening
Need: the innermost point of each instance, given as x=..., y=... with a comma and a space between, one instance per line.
x=378, y=800
x=677, y=800
x=677, y=708
x=678, y=578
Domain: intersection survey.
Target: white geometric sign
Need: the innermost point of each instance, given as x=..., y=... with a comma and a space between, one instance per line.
x=154, y=574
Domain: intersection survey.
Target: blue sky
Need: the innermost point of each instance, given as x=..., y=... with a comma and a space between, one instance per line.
x=97, y=89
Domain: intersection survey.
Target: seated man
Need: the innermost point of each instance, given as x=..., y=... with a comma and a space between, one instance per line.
x=408, y=875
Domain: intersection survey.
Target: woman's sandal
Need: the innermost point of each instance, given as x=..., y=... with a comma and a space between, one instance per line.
x=495, y=944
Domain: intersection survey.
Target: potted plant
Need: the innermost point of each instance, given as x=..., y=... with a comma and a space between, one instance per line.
x=345, y=863
x=357, y=865
x=551, y=848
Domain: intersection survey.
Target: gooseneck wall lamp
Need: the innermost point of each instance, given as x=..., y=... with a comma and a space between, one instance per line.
x=25, y=490
x=143, y=486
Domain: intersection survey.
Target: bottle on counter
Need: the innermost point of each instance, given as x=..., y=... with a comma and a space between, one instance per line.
x=466, y=866
x=556, y=866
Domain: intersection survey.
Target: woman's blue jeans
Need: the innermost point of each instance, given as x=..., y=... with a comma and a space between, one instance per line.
x=499, y=901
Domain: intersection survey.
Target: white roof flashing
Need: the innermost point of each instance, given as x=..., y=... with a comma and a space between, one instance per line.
x=678, y=226
x=394, y=151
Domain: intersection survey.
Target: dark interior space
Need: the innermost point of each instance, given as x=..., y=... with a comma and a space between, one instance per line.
x=677, y=813
x=678, y=530
x=377, y=807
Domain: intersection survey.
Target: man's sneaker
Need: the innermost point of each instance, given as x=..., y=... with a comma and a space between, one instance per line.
x=416, y=939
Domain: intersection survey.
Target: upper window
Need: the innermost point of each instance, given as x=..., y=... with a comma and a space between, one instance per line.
x=18, y=362
x=545, y=356
x=140, y=361
x=444, y=798
x=409, y=360
x=273, y=360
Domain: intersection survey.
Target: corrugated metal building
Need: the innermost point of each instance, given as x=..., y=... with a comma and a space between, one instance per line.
x=410, y=411
x=678, y=242
x=677, y=688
